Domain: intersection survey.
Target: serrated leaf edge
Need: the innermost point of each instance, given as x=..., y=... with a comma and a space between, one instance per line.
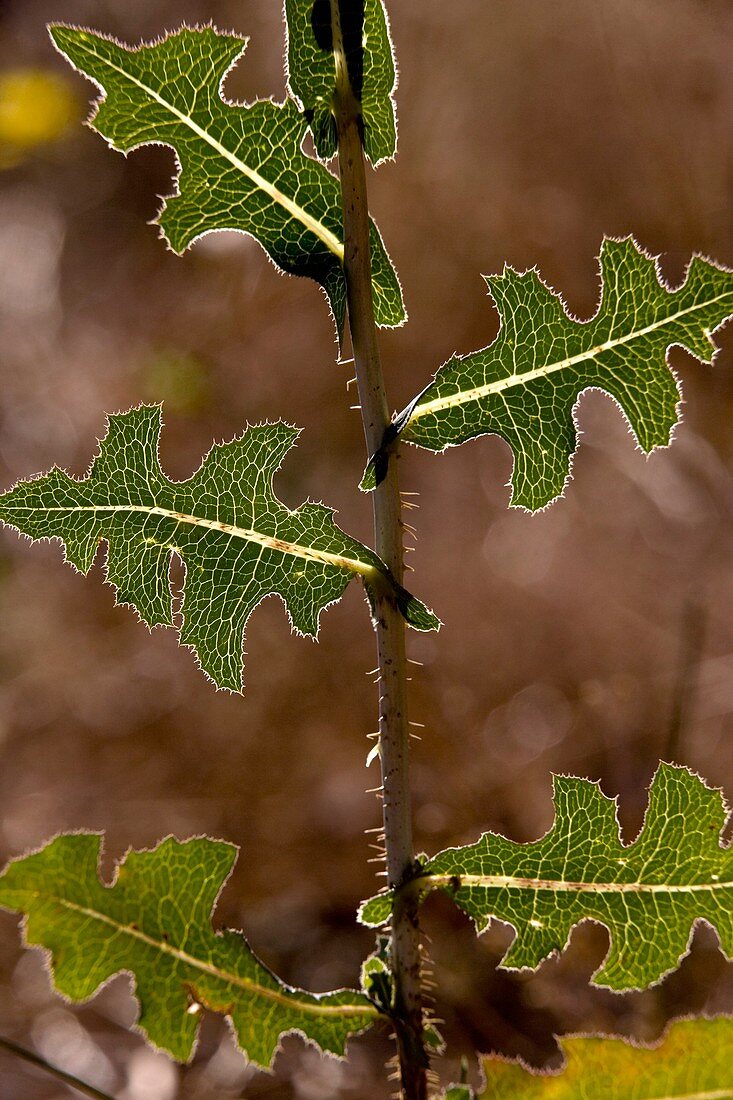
x=540, y=372
x=363, y=570
x=611, y=1037
x=47, y=953
x=329, y=239
x=426, y=882
x=369, y=574
x=177, y=162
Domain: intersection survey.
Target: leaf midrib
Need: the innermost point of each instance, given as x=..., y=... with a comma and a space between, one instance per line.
x=461, y=881
x=477, y=393
x=329, y=239
x=309, y=553
x=291, y=1001
x=723, y=1094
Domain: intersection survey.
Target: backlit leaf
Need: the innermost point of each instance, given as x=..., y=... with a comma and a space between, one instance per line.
x=524, y=387
x=154, y=922
x=367, y=50
x=694, y=1061
x=648, y=894
x=238, y=543
x=241, y=165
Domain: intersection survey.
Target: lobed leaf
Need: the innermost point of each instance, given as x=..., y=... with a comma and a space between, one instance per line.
x=525, y=386
x=648, y=894
x=364, y=39
x=154, y=922
x=241, y=165
x=238, y=543
x=694, y=1061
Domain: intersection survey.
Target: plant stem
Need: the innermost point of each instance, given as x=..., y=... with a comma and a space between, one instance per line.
x=53, y=1071
x=389, y=623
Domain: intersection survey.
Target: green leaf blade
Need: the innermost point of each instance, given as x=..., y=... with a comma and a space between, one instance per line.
x=154, y=922
x=241, y=167
x=238, y=542
x=694, y=1061
x=370, y=62
x=648, y=894
x=525, y=386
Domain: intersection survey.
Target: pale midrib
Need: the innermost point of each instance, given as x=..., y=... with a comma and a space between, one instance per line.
x=270, y=541
x=460, y=880
x=331, y=241
x=207, y=968
x=465, y=397
x=722, y=1094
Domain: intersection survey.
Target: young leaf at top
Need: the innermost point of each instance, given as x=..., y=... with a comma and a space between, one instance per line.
x=694, y=1061
x=241, y=166
x=236, y=540
x=524, y=387
x=154, y=922
x=648, y=894
x=362, y=37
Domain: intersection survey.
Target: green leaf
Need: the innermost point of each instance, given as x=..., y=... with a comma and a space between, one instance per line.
x=525, y=386
x=238, y=543
x=694, y=1061
x=368, y=54
x=460, y=1090
x=154, y=922
x=376, y=975
x=377, y=982
x=648, y=894
x=241, y=166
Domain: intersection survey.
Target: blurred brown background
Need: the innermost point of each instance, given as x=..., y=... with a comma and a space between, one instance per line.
x=591, y=639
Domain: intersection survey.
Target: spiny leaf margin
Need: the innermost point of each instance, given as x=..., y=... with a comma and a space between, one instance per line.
x=153, y=922
x=311, y=74
x=526, y=385
x=217, y=188
x=237, y=541
x=649, y=894
x=692, y=1061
